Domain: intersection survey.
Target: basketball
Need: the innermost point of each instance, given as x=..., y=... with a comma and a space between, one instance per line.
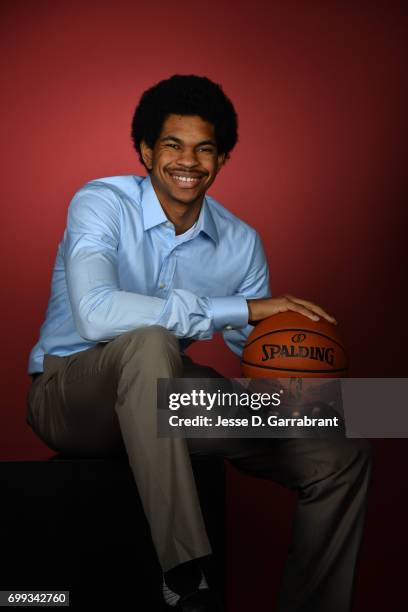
x=289, y=344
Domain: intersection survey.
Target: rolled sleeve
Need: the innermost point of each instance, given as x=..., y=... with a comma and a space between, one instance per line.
x=229, y=312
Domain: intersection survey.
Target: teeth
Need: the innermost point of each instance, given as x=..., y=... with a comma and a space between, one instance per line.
x=185, y=179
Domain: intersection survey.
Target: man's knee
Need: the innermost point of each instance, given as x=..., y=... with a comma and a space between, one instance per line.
x=150, y=345
x=155, y=335
x=349, y=454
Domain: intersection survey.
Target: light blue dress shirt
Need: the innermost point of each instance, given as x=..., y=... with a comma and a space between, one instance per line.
x=121, y=266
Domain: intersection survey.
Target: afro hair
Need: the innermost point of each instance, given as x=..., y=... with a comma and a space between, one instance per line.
x=185, y=95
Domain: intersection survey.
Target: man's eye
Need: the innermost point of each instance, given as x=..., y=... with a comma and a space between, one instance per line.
x=172, y=145
x=206, y=149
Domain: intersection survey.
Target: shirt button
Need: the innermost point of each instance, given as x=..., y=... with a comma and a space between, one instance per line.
x=228, y=327
x=162, y=286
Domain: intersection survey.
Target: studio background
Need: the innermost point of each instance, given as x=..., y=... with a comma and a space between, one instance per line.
x=320, y=171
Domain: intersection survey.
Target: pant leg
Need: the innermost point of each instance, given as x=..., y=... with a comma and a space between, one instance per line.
x=87, y=402
x=332, y=478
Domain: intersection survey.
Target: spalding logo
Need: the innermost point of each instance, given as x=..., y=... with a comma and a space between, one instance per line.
x=318, y=353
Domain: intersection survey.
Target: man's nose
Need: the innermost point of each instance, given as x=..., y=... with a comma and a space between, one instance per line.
x=187, y=158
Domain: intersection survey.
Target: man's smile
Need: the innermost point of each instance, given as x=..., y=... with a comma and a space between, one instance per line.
x=185, y=179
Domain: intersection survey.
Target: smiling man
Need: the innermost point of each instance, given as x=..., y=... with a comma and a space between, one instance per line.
x=148, y=265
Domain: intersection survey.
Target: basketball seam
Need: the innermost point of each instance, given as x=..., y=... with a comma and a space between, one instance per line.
x=258, y=365
x=278, y=331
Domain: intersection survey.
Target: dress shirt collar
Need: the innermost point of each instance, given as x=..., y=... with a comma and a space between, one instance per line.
x=153, y=213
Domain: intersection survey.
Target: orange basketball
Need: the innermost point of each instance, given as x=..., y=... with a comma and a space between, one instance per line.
x=289, y=344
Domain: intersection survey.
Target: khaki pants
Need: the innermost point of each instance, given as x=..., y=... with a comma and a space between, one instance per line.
x=102, y=401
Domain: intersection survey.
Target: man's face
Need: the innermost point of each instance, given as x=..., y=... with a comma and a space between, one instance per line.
x=184, y=161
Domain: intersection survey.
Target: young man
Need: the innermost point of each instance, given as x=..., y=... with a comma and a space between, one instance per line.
x=148, y=265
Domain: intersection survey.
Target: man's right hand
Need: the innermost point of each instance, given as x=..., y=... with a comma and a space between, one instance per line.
x=266, y=307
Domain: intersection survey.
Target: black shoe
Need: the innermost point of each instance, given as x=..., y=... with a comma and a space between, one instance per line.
x=202, y=600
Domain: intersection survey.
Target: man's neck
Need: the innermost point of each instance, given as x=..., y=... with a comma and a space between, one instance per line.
x=183, y=216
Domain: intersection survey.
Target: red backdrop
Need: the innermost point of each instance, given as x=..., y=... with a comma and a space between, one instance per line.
x=320, y=170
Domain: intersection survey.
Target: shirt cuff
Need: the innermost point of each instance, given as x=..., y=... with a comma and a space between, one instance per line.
x=229, y=312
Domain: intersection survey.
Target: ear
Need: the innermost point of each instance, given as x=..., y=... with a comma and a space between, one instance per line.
x=221, y=160
x=147, y=154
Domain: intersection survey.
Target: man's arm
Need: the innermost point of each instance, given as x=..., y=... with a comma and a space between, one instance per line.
x=101, y=310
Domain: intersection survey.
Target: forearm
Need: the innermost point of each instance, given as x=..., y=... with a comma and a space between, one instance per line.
x=102, y=315
x=102, y=311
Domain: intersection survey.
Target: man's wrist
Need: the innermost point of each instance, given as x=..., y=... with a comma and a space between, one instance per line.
x=251, y=311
